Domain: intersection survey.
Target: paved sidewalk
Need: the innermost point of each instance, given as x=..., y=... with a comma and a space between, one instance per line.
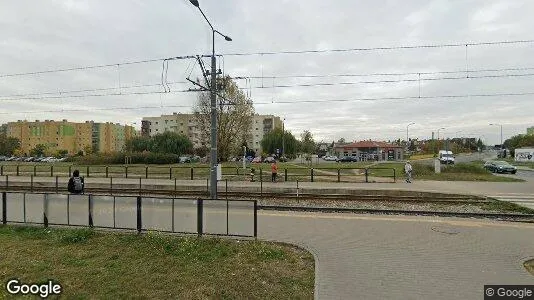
x=378, y=257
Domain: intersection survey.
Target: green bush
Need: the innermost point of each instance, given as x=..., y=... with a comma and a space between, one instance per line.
x=119, y=158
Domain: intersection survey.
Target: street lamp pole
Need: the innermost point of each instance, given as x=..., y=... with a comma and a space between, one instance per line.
x=501, y=132
x=283, y=138
x=437, y=144
x=407, y=135
x=213, y=89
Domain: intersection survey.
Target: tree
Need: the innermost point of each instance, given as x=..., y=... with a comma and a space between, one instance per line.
x=341, y=141
x=170, y=142
x=138, y=144
x=8, y=145
x=273, y=140
x=39, y=150
x=307, y=142
x=519, y=141
x=234, y=118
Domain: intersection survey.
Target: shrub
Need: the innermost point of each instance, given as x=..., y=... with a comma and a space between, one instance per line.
x=119, y=158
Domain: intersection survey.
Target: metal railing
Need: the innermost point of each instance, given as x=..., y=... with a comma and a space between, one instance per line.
x=195, y=173
x=140, y=213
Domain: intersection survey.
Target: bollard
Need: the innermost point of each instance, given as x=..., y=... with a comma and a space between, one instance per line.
x=70, y=171
x=7, y=182
x=338, y=175
x=366, y=175
x=52, y=171
x=35, y=170
x=311, y=174
x=87, y=171
x=57, y=184
x=107, y=171
x=285, y=174
x=192, y=173
x=4, y=208
x=207, y=187
x=90, y=210
x=261, y=175
x=2, y=170
x=126, y=171
x=170, y=172
x=17, y=170
x=140, y=186
x=200, y=214
x=31, y=183
x=256, y=219
x=45, y=210
x=139, y=217
x=261, y=188
x=146, y=172
x=394, y=175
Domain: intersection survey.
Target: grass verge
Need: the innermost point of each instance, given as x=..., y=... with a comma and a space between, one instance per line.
x=504, y=206
x=91, y=264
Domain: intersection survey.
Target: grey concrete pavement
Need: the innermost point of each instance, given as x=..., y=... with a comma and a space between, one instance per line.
x=373, y=257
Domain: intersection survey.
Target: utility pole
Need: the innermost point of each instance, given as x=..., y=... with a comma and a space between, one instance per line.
x=213, y=88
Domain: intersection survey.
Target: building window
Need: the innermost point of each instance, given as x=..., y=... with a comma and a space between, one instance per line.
x=157, y=123
x=156, y=129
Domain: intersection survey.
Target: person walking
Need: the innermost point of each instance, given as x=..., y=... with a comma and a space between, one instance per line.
x=408, y=171
x=76, y=183
x=274, y=171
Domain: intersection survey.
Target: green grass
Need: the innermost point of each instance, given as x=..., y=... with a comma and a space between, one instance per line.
x=529, y=265
x=458, y=172
x=93, y=265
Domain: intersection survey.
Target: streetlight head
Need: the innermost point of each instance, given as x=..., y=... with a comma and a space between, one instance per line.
x=195, y=3
x=229, y=39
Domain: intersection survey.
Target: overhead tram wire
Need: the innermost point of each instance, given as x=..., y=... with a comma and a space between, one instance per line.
x=291, y=102
x=386, y=74
x=59, y=93
x=510, y=42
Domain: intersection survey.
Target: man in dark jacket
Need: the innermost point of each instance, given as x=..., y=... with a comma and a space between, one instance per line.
x=76, y=183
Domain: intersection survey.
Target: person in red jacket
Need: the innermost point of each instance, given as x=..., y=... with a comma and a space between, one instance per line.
x=274, y=171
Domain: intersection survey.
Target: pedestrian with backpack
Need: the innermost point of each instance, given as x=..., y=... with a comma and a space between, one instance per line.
x=76, y=183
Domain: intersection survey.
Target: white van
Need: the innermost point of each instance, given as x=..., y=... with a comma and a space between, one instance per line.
x=446, y=157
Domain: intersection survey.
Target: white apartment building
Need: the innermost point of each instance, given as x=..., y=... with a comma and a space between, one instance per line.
x=187, y=125
x=180, y=123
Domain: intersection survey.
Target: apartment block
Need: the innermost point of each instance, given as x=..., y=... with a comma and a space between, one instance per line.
x=70, y=136
x=262, y=125
x=186, y=124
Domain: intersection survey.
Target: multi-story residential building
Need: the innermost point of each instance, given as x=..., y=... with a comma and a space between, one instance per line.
x=70, y=136
x=187, y=125
x=261, y=125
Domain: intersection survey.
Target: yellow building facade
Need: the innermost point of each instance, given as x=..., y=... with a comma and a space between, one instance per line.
x=70, y=136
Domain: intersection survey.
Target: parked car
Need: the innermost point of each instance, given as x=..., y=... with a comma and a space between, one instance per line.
x=269, y=159
x=256, y=160
x=282, y=159
x=3, y=158
x=28, y=159
x=500, y=166
x=185, y=159
x=330, y=158
x=347, y=159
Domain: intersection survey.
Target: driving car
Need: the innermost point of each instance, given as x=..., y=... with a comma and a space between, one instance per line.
x=500, y=166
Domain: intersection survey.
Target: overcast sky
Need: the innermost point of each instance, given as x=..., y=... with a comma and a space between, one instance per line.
x=55, y=34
